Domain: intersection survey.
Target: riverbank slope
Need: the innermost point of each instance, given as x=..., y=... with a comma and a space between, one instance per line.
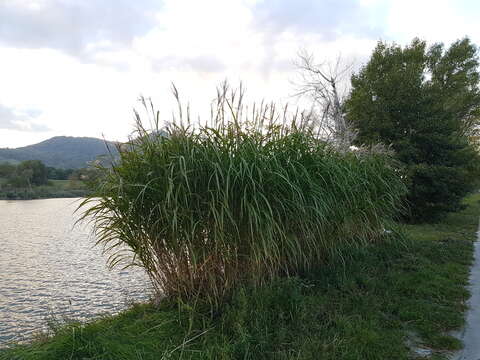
x=385, y=301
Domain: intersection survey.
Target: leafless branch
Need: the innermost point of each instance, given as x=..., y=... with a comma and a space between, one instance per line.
x=321, y=82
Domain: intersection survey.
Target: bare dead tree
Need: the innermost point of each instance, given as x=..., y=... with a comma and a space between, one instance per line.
x=325, y=83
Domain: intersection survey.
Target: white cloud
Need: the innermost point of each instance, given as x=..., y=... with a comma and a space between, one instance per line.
x=75, y=26
x=328, y=19
x=433, y=20
x=20, y=119
x=83, y=63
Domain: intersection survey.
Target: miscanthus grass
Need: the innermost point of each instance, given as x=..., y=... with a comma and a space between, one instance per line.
x=249, y=195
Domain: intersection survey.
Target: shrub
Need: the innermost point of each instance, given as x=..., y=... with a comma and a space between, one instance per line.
x=203, y=209
x=435, y=190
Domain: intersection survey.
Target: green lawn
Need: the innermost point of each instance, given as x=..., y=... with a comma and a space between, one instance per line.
x=54, y=188
x=368, y=304
x=67, y=184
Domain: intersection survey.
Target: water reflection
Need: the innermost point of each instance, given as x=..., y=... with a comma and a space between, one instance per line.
x=48, y=268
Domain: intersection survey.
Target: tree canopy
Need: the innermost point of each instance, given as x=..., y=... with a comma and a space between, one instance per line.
x=26, y=174
x=424, y=102
x=34, y=171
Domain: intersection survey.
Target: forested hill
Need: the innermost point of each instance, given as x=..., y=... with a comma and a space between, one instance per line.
x=61, y=151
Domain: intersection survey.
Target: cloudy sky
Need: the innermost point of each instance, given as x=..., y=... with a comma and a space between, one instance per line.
x=77, y=67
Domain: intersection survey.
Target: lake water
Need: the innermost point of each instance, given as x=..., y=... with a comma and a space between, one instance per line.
x=49, y=269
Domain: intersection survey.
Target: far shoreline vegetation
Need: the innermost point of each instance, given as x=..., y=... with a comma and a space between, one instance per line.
x=265, y=239
x=31, y=179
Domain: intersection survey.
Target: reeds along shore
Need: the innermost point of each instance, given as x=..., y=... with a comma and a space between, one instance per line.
x=242, y=198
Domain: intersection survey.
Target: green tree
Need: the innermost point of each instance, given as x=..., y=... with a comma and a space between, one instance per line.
x=21, y=179
x=6, y=169
x=58, y=174
x=425, y=103
x=37, y=169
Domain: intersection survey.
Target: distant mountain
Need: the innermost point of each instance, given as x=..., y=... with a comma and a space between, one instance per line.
x=61, y=151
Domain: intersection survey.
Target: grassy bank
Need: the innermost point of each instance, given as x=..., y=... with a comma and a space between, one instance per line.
x=374, y=303
x=54, y=189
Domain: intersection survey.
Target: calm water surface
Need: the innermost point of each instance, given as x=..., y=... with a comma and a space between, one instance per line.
x=50, y=269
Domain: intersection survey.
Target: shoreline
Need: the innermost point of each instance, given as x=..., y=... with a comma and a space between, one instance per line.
x=42, y=198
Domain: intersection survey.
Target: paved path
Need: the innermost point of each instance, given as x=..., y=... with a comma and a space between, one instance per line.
x=471, y=333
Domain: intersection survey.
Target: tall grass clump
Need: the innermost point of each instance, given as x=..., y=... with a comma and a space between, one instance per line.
x=242, y=198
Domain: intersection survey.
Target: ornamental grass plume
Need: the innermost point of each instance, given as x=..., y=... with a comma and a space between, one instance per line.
x=242, y=198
